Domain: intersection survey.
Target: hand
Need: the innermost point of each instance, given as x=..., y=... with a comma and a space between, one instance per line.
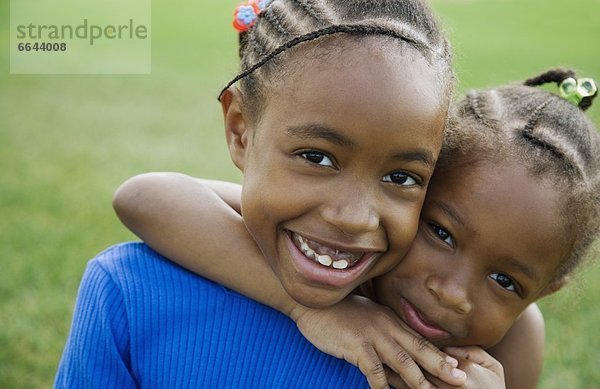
x=368, y=336
x=483, y=371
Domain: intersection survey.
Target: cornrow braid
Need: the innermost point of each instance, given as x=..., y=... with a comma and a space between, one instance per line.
x=475, y=106
x=352, y=29
x=532, y=121
x=311, y=10
x=274, y=21
x=285, y=24
x=550, y=136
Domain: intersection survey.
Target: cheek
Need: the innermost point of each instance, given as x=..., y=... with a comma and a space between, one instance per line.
x=488, y=328
x=389, y=287
x=405, y=226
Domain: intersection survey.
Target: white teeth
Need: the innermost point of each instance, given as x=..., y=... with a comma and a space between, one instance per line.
x=324, y=260
x=341, y=264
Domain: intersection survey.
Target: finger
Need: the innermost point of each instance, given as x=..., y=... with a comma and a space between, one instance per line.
x=476, y=355
x=429, y=358
x=372, y=367
x=394, y=379
x=472, y=353
x=402, y=363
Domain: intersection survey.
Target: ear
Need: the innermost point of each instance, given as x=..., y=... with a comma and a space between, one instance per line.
x=555, y=286
x=236, y=126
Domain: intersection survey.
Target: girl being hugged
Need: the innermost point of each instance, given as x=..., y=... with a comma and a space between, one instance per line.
x=512, y=209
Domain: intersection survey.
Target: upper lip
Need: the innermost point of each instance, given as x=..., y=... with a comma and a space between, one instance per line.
x=341, y=245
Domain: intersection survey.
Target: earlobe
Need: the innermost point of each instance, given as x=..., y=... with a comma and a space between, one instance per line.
x=236, y=129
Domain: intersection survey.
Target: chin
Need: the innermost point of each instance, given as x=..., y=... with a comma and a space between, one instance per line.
x=315, y=298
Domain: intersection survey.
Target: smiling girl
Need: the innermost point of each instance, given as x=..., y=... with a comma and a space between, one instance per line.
x=336, y=121
x=512, y=209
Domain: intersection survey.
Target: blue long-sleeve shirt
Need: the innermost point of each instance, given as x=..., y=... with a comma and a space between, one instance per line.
x=142, y=321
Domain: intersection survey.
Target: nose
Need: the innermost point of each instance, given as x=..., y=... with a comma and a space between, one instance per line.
x=352, y=211
x=451, y=292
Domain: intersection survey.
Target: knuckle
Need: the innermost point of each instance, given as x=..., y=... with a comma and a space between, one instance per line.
x=377, y=370
x=404, y=358
x=421, y=343
x=443, y=364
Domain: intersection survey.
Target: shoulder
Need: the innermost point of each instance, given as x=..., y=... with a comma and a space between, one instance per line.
x=143, y=276
x=521, y=351
x=134, y=265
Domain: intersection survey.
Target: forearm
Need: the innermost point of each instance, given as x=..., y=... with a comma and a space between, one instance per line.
x=189, y=222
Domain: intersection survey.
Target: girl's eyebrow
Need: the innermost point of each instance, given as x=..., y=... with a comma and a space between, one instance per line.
x=451, y=213
x=522, y=268
x=423, y=156
x=318, y=131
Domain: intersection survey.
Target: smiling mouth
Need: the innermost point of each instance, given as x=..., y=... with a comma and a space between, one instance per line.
x=415, y=319
x=324, y=255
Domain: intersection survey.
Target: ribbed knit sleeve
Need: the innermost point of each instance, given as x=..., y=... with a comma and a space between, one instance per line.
x=141, y=320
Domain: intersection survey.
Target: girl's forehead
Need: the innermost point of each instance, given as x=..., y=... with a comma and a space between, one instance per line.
x=361, y=75
x=358, y=58
x=391, y=97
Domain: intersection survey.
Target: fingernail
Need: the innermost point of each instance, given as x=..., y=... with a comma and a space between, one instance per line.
x=456, y=373
x=451, y=361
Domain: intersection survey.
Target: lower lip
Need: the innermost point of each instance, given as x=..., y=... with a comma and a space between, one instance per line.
x=416, y=322
x=338, y=278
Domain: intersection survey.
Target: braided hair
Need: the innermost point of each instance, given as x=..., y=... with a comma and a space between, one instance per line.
x=551, y=136
x=285, y=24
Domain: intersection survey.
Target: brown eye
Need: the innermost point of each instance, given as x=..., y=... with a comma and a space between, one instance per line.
x=317, y=158
x=400, y=178
x=443, y=235
x=504, y=281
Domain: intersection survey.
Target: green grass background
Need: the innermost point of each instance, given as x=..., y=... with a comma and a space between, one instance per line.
x=66, y=142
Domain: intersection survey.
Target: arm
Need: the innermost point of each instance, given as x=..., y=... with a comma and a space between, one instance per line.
x=521, y=351
x=189, y=221
x=96, y=353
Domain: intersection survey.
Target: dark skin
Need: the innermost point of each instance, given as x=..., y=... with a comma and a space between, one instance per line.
x=341, y=156
x=191, y=222
x=483, y=254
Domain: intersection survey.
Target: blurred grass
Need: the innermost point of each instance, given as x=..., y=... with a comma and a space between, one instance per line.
x=66, y=142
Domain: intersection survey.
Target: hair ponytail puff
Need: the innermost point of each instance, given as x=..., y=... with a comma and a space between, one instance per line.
x=557, y=76
x=586, y=102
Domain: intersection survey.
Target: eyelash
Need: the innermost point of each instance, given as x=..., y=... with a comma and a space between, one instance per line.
x=398, y=178
x=316, y=157
x=403, y=177
x=513, y=284
x=442, y=235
